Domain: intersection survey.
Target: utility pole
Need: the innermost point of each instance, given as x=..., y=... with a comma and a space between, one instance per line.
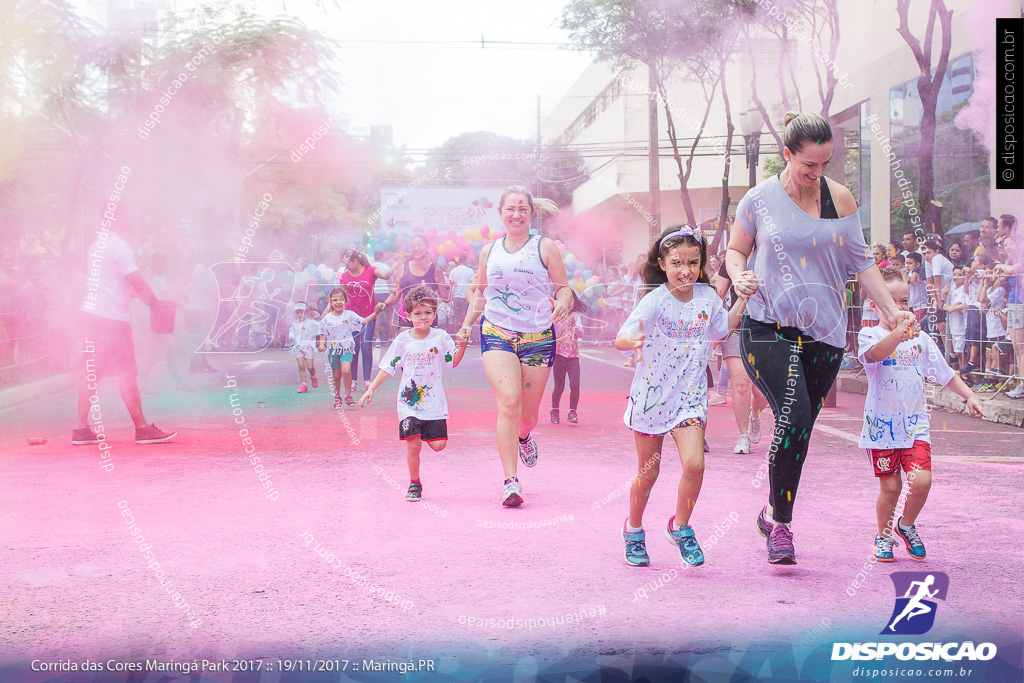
x=654, y=172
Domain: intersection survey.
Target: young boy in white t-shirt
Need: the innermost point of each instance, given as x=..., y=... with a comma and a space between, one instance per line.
x=895, y=429
x=956, y=315
x=421, y=353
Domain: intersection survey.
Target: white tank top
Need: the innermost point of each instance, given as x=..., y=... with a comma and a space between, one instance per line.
x=518, y=287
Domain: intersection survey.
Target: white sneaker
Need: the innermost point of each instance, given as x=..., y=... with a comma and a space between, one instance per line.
x=754, y=426
x=512, y=494
x=1018, y=392
x=366, y=385
x=716, y=399
x=742, y=444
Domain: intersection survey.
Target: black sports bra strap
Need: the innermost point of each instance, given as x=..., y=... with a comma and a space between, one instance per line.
x=828, y=207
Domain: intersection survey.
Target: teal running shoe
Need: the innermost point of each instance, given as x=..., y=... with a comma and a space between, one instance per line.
x=883, y=548
x=686, y=541
x=913, y=542
x=636, y=547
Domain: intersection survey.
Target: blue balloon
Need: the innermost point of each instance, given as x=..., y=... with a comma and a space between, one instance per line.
x=587, y=275
x=477, y=245
x=533, y=231
x=441, y=261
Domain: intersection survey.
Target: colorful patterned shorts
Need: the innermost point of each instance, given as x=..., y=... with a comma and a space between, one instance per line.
x=688, y=422
x=535, y=349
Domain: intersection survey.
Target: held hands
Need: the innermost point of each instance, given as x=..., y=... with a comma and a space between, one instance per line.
x=747, y=283
x=463, y=335
x=321, y=347
x=559, y=311
x=380, y=307
x=906, y=324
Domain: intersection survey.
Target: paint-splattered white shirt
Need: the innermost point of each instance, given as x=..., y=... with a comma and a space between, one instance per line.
x=895, y=410
x=671, y=384
x=420, y=393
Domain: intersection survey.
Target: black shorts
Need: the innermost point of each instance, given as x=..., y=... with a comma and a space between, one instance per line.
x=108, y=348
x=428, y=430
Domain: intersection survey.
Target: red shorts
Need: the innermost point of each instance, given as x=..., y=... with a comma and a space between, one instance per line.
x=889, y=461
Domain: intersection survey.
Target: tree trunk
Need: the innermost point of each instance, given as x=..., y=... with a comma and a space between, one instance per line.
x=723, y=209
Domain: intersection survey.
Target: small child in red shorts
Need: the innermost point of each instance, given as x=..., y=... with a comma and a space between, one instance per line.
x=895, y=429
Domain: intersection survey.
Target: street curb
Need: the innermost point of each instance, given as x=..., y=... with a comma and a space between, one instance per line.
x=1001, y=410
x=15, y=397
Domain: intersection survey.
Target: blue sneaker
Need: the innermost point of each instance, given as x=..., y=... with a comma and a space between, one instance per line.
x=686, y=541
x=913, y=542
x=636, y=547
x=883, y=548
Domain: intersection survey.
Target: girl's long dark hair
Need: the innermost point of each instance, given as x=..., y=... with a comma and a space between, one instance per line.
x=650, y=270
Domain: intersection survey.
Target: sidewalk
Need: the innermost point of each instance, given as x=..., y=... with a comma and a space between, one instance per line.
x=1001, y=409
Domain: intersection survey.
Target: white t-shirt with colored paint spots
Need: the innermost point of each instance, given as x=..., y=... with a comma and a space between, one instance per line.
x=338, y=330
x=895, y=410
x=671, y=384
x=420, y=394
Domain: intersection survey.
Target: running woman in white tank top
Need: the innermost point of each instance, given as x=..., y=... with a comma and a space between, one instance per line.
x=513, y=290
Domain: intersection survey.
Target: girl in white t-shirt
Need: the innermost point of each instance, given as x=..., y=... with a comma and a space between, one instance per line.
x=672, y=330
x=336, y=335
x=302, y=335
x=422, y=353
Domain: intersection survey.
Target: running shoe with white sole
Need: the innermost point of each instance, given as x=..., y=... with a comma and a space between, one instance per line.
x=415, y=492
x=84, y=437
x=636, y=547
x=315, y=382
x=1016, y=393
x=883, y=548
x=915, y=548
x=512, y=496
x=528, y=451
x=302, y=389
x=686, y=540
x=754, y=426
x=349, y=401
x=780, y=545
x=152, y=434
x=764, y=527
x=742, y=444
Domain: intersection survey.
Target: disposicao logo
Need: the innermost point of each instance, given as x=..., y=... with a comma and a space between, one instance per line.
x=914, y=612
x=913, y=615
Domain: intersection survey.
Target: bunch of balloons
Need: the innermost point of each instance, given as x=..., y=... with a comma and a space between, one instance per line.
x=443, y=246
x=586, y=284
x=321, y=278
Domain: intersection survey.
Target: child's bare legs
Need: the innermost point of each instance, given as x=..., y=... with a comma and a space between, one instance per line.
x=412, y=456
x=346, y=376
x=920, y=484
x=309, y=368
x=302, y=369
x=690, y=442
x=648, y=452
x=413, y=445
x=336, y=381
x=885, y=507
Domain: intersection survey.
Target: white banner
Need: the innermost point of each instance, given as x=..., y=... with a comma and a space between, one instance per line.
x=402, y=209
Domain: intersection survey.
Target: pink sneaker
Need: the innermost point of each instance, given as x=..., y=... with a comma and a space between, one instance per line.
x=315, y=382
x=302, y=388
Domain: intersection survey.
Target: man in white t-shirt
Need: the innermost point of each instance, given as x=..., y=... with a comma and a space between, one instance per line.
x=108, y=347
x=938, y=271
x=460, y=276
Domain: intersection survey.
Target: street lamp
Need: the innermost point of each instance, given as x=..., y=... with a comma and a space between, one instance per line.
x=751, y=122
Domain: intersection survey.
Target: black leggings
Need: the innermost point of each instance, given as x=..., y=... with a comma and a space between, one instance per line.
x=566, y=366
x=795, y=374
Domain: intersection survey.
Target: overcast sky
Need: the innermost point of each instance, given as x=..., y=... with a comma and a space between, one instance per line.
x=430, y=94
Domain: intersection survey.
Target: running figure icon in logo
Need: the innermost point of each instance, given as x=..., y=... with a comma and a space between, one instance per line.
x=914, y=612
